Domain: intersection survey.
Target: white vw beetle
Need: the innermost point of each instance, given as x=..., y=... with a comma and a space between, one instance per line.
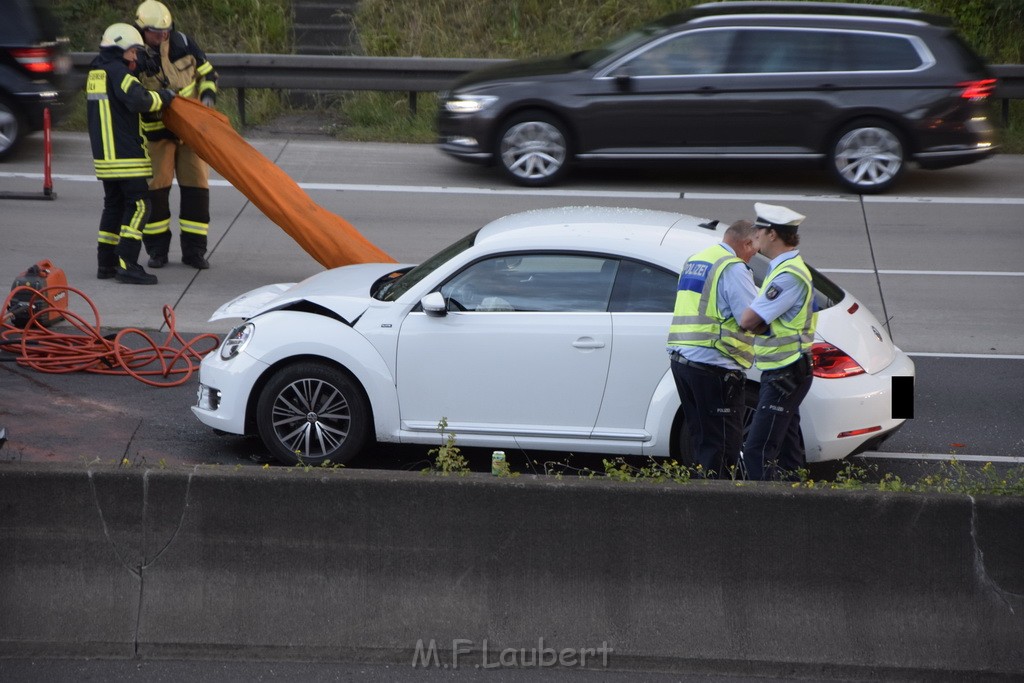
x=542, y=330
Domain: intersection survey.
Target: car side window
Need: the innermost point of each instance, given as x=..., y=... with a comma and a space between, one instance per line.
x=784, y=51
x=534, y=283
x=878, y=52
x=643, y=288
x=685, y=54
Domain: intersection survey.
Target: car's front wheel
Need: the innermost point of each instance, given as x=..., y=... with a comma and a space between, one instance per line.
x=12, y=127
x=311, y=413
x=867, y=156
x=533, y=148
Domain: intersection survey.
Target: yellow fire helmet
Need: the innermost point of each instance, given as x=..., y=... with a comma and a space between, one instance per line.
x=153, y=15
x=124, y=36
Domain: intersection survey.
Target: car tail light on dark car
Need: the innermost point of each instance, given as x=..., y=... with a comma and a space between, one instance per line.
x=831, y=362
x=977, y=90
x=36, y=60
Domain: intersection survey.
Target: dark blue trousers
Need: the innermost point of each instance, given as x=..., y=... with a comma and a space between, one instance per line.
x=713, y=404
x=774, y=449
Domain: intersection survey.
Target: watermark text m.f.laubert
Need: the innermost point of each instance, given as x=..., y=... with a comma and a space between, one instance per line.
x=485, y=656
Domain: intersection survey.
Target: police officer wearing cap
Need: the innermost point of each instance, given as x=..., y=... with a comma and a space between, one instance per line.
x=708, y=349
x=783, y=319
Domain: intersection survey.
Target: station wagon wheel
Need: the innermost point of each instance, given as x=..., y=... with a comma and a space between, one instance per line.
x=312, y=412
x=533, y=148
x=12, y=127
x=868, y=156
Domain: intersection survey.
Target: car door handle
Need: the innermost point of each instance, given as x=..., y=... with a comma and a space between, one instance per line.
x=588, y=343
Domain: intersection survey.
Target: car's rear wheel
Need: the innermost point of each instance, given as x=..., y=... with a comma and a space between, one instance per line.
x=311, y=413
x=12, y=127
x=533, y=148
x=868, y=156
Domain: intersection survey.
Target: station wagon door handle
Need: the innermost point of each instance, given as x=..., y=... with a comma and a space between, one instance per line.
x=707, y=89
x=588, y=343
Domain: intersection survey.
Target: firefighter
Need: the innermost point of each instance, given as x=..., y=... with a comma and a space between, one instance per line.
x=181, y=66
x=115, y=100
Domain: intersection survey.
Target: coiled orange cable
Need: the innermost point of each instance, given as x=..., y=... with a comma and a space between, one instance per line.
x=36, y=346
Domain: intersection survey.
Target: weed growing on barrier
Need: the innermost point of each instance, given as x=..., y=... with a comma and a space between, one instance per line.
x=448, y=458
x=952, y=477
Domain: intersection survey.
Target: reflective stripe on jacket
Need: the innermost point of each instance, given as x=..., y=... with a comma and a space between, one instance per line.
x=114, y=100
x=697, y=320
x=787, y=340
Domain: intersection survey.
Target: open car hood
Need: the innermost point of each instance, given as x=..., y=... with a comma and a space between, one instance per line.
x=344, y=290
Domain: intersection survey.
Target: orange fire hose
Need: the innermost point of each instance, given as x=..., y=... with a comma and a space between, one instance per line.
x=36, y=346
x=325, y=236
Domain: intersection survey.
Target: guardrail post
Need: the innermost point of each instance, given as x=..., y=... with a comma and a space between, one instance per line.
x=412, y=103
x=240, y=92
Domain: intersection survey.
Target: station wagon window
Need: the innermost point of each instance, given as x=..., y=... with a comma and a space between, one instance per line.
x=534, y=283
x=803, y=50
x=685, y=54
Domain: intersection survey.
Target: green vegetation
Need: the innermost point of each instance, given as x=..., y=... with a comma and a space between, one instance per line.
x=448, y=458
x=471, y=28
x=952, y=477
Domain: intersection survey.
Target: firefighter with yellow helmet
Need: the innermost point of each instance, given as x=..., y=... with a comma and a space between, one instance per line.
x=182, y=66
x=115, y=99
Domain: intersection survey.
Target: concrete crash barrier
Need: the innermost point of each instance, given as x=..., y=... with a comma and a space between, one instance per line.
x=530, y=571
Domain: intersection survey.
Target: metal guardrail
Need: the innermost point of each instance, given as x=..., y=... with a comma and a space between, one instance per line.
x=320, y=73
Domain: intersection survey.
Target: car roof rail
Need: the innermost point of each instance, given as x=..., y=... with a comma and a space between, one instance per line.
x=814, y=8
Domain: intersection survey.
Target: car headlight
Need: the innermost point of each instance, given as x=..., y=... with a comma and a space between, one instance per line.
x=469, y=104
x=236, y=341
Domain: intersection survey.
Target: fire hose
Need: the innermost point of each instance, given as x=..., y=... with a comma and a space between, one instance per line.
x=87, y=349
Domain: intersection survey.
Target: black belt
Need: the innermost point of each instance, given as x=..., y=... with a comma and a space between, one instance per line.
x=677, y=358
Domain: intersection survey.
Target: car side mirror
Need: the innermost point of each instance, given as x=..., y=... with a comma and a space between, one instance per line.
x=433, y=305
x=624, y=81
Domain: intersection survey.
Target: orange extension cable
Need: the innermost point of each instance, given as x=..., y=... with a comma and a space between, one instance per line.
x=38, y=347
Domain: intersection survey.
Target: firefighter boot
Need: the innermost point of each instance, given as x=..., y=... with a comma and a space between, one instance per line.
x=193, y=251
x=106, y=259
x=157, y=247
x=128, y=270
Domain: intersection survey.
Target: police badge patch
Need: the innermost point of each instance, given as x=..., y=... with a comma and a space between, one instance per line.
x=772, y=293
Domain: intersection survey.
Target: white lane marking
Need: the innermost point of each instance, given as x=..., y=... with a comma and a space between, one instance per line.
x=943, y=273
x=939, y=456
x=984, y=356
x=617, y=194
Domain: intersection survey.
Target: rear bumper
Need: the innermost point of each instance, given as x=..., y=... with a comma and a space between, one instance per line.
x=852, y=414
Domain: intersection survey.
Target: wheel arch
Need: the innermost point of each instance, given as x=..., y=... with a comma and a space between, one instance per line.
x=899, y=125
x=542, y=107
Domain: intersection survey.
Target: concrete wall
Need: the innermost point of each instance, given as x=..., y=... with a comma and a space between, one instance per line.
x=339, y=564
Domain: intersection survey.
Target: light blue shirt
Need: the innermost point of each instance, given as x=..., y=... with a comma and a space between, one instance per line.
x=736, y=291
x=788, y=295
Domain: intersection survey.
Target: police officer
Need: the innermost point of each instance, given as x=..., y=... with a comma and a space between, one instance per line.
x=115, y=99
x=181, y=66
x=783, y=320
x=710, y=351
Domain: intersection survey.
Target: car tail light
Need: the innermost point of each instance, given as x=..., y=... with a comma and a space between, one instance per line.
x=831, y=362
x=37, y=60
x=859, y=432
x=977, y=90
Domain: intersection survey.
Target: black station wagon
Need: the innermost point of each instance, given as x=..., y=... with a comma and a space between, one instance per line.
x=861, y=89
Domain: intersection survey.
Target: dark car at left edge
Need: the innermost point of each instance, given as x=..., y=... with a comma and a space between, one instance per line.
x=35, y=67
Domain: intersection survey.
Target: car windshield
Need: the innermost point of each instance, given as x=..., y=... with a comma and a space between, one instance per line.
x=397, y=286
x=587, y=58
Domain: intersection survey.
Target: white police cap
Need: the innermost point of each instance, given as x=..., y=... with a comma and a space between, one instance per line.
x=778, y=217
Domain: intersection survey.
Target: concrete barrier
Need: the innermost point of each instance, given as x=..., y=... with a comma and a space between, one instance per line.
x=379, y=565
